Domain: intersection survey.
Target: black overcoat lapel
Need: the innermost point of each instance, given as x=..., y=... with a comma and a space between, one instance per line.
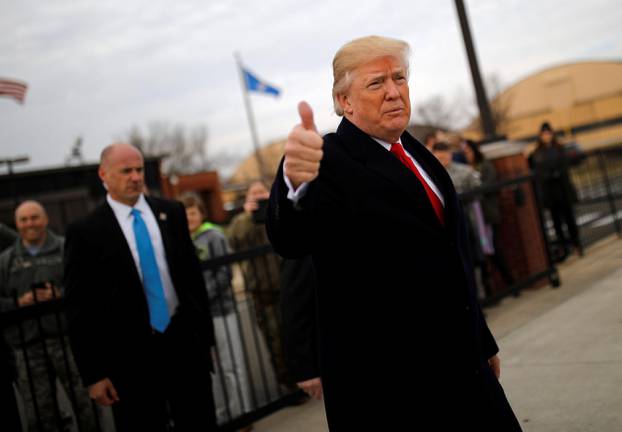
x=115, y=244
x=361, y=146
x=441, y=179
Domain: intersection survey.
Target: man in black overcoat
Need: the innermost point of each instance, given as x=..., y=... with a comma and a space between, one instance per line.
x=403, y=342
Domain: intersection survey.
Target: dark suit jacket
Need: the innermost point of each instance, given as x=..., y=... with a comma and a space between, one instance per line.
x=397, y=307
x=299, y=313
x=107, y=312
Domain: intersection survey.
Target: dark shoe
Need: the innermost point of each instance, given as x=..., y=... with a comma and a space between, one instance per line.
x=303, y=399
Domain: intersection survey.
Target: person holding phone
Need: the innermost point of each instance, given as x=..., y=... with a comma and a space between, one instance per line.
x=31, y=271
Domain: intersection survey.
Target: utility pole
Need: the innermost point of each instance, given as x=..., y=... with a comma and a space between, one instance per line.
x=485, y=114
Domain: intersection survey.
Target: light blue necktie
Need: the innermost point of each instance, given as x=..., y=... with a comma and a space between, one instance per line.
x=158, y=308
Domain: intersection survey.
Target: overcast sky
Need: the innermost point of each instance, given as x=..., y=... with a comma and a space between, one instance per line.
x=96, y=68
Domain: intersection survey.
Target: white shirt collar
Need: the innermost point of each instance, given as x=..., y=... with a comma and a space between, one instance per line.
x=124, y=211
x=385, y=144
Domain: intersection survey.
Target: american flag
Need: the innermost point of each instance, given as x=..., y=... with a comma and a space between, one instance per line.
x=13, y=89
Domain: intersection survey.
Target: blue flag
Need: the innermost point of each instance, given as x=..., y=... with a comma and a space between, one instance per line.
x=255, y=84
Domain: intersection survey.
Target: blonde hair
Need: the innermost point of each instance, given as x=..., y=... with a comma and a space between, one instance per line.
x=361, y=51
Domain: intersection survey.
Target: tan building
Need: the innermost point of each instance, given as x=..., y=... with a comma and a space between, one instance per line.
x=248, y=170
x=584, y=100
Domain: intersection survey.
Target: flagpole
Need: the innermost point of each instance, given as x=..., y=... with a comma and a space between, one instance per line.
x=249, y=115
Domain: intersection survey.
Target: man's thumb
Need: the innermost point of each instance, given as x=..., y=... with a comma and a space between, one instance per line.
x=306, y=116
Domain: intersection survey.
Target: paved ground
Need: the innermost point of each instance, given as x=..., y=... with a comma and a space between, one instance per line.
x=561, y=351
x=563, y=368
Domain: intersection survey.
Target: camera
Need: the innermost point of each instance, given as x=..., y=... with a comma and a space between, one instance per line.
x=259, y=215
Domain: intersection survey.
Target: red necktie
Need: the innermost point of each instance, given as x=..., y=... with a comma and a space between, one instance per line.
x=398, y=151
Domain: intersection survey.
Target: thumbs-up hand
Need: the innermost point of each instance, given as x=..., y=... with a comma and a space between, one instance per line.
x=303, y=150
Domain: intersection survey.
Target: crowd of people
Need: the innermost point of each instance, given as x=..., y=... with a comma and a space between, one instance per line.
x=156, y=336
x=115, y=326
x=469, y=169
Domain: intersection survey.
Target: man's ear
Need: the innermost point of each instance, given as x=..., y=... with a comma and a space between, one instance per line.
x=344, y=102
x=102, y=176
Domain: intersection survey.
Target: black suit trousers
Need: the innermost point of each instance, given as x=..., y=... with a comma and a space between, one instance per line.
x=170, y=383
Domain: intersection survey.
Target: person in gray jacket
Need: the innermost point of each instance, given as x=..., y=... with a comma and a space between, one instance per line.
x=462, y=176
x=465, y=179
x=31, y=271
x=491, y=213
x=230, y=385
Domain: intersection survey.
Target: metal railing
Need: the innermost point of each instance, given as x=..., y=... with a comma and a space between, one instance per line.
x=249, y=382
x=597, y=179
x=256, y=320
x=510, y=252
x=44, y=364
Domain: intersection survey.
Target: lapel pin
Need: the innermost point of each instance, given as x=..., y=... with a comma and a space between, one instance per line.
x=162, y=216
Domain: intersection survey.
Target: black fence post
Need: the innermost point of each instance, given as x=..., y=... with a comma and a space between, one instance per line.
x=254, y=325
x=553, y=273
x=220, y=375
x=71, y=390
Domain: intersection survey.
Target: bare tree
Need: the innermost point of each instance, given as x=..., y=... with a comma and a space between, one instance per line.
x=437, y=112
x=183, y=149
x=499, y=105
x=465, y=107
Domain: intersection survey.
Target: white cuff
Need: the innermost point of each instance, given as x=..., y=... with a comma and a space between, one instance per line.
x=295, y=195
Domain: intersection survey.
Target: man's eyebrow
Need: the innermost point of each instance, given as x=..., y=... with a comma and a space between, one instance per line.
x=381, y=74
x=375, y=75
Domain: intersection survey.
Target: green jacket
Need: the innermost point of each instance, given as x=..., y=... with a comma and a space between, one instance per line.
x=210, y=242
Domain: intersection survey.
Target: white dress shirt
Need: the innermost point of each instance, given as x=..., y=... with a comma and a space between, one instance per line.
x=295, y=195
x=125, y=219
